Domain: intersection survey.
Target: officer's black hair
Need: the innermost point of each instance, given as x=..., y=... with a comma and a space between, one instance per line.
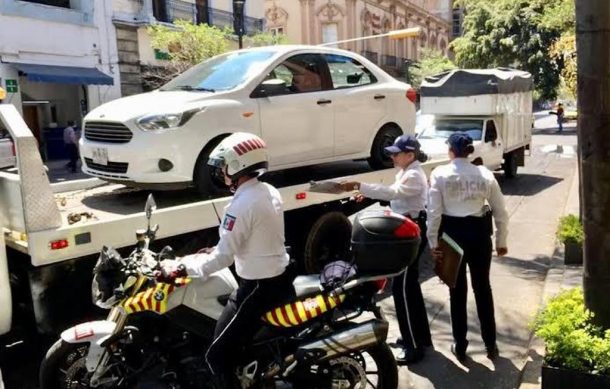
x=463, y=153
x=421, y=156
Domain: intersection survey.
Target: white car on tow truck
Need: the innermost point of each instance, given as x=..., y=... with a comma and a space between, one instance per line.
x=310, y=104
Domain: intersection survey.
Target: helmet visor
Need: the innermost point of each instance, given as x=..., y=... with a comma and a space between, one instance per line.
x=217, y=162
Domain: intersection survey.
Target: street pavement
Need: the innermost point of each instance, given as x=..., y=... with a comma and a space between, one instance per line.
x=547, y=188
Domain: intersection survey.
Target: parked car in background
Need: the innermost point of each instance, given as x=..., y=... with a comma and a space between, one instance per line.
x=310, y=105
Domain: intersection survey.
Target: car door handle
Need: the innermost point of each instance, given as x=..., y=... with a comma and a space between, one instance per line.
x=324, y=102
x=379, y=97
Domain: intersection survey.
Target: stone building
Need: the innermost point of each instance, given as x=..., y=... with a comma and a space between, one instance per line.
x=321, y=21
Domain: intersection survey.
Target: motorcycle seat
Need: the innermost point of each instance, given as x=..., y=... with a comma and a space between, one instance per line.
x=306, y=285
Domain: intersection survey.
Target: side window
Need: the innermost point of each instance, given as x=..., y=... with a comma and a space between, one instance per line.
x=491, y=135
x=347, y=72
x=300, y=73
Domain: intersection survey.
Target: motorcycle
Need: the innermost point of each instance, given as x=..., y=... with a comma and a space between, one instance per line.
x=331, y=335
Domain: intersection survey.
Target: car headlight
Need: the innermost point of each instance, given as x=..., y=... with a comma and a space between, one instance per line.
x=165, y=121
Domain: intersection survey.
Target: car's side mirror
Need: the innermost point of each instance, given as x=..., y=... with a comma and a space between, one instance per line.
x=151, y=205
x=270, y=87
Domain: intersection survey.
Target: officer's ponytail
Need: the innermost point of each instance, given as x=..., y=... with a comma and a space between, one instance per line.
x=421, y=156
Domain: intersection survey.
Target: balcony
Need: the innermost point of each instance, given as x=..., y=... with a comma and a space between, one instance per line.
x=390, y=60
x=220, y=18
x=370, y=55
x=168, y=11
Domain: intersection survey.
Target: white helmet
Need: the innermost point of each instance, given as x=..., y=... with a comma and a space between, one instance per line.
x=242, y=153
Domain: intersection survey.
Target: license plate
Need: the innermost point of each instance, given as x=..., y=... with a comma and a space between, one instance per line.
x=100, y=156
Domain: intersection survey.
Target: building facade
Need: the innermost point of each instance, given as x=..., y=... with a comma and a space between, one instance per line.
x=131, y=19
x=58, y=60
x=321, y=21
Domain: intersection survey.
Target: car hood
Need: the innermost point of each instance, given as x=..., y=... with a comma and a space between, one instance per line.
x=132, y=107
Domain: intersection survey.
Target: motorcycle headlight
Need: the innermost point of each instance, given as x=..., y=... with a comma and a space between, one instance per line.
x=165, y=121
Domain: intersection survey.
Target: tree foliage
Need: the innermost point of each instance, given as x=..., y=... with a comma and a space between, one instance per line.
x=516, y=34
x=432, y=62
x=188, y=44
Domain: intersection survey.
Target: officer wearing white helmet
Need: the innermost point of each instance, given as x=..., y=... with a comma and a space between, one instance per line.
x=252, y=236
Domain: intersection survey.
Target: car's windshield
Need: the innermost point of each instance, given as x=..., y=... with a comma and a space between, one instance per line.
x=443, y=128
x=221, y=73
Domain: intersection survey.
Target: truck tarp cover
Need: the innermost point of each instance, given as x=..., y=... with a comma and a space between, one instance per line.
x=466, y=82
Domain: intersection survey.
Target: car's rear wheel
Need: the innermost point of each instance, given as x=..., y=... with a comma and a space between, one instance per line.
x=386, y=136
x=207, y=179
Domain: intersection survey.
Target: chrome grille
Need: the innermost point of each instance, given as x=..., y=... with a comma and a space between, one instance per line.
x=107, y=132
x=112, y=167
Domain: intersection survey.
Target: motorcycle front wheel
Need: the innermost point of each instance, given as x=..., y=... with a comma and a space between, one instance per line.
x=64, y=366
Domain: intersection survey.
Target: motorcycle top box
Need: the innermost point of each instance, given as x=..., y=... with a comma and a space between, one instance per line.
x=384, y=242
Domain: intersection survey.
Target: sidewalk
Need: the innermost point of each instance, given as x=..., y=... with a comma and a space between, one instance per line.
x=559, y=277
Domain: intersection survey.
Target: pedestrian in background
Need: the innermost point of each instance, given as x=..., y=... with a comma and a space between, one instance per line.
x=71, y=142
x=407, y=196
x=560, y=116
x=459, y=193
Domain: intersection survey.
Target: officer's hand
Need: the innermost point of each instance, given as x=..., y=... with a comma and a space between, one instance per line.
x=359, y=198
x=437, y=254
x=501, y=251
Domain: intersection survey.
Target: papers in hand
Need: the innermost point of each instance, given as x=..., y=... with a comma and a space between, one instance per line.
x=448, y=268
x=325, y=187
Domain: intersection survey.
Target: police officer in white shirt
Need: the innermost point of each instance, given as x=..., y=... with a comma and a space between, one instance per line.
x=252, y=236
x=459, y=194
x=407, y=196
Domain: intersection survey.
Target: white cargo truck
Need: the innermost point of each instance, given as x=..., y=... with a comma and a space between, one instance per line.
x=52, y=233
x=494, y=106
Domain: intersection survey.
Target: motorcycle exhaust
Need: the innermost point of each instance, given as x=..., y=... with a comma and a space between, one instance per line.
x=356, y=338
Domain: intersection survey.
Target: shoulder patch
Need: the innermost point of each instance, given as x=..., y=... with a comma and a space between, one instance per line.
x=229, y=222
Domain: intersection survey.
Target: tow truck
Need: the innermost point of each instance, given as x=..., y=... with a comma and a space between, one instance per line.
x=53, y=232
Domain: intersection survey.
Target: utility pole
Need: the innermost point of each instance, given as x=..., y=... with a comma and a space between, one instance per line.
x=238, y=20
x=592, y=37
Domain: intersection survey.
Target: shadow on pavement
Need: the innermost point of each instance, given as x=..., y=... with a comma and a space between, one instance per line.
x=526, y=184
x=443, y=372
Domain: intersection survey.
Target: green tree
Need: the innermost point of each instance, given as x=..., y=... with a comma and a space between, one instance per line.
x=516, y=34
x=266, y=39
x=432, y=62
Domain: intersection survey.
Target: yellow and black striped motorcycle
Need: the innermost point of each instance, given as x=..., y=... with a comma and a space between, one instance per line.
x=158, y=330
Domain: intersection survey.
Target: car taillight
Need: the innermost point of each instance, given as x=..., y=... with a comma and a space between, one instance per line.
x=380, y=284
x=412, y=95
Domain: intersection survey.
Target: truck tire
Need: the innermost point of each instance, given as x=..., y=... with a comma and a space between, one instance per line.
x=206, y=179
x=384, y=138
x=510, y=165
x=328, y=240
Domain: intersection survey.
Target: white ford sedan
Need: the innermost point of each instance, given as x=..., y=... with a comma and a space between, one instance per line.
x=310, y=104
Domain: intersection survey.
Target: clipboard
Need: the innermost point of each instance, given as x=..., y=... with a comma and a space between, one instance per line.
x=447, y=270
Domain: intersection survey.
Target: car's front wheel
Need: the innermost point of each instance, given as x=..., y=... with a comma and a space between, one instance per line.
x=386, y=136
x=207, y=179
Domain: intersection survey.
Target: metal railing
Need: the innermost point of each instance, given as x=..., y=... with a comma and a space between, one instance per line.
x=390, y=60
x=220, y=18
x=370, y=55
x=169, y=11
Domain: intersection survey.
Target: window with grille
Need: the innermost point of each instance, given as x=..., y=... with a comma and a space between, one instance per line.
x=54, y=3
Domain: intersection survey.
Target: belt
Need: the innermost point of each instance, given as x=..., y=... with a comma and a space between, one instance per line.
x=421, y=215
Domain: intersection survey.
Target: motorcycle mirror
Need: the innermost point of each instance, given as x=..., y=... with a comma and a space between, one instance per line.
x=151, y=206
